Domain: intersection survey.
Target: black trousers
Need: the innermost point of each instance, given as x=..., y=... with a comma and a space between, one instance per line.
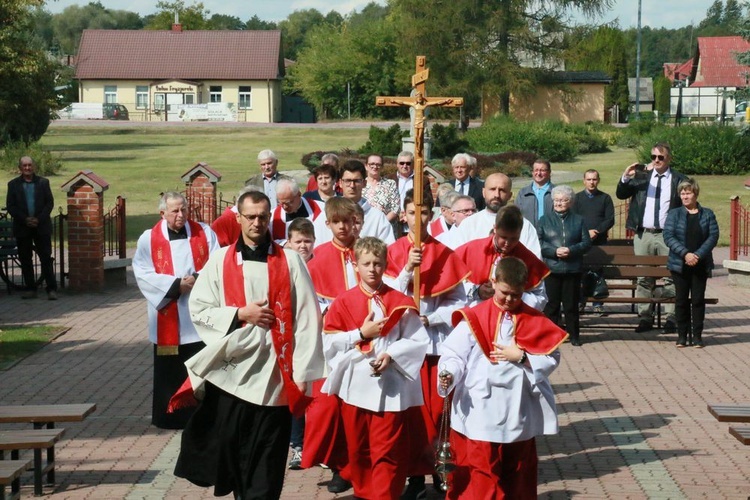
x=690, y=300
x=43, y=245
x=236, y=446
x=565, y=289
x=169, y=375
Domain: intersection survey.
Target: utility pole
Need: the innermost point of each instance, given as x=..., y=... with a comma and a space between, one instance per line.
x=638, y=67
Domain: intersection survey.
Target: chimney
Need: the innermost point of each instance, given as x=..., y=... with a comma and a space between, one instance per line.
x=176, y=26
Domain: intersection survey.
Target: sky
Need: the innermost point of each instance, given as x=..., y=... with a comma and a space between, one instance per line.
x=655, y=13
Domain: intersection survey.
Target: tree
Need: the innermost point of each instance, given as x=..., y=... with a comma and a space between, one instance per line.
x=489, y=47
x=224, y=22
x=362, y=57
x=68, y=25
x=27, y=76
x=256, y=23
x=601, y=49
x=714, y=15
x=744, y=59
x=191, y=17
x=295, y=27
x=662, y=98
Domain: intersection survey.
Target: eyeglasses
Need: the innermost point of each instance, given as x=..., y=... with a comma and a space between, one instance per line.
x=351, y=182
x=404, y=163
x=254, y=217
x=561, y=202
x=465, y=211
x=375, y=164
x=658, y=157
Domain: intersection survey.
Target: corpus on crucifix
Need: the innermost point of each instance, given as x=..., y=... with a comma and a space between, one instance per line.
x=419, y=103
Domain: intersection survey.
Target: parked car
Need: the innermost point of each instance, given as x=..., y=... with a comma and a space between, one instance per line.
x=740, y=112
x=115, y=112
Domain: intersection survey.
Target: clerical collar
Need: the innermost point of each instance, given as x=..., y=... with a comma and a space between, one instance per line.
x=257, y=254
x=180, y=234
x=300, y=213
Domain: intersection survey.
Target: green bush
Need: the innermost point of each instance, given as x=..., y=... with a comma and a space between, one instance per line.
x=555, y=141
x=446, y=141
x=47, y=163
x=701, y=149
x=386, y=142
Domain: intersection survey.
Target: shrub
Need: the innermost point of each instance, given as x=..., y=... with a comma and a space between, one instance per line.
x=701, y=149
x=47, y=162
x=555, y=141
x=446, y=141
x=386, y=142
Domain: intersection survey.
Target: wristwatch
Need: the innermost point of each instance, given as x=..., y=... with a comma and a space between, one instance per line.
x=523, y=359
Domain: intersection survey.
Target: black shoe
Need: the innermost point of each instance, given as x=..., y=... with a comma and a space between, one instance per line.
x=576, y=342
x=670, y=327
x=699, y=344
x=338, y=484
x=415, y=490
x=644, y=326
x=680, y=343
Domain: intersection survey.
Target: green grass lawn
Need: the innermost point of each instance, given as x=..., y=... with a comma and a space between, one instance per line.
x=140, y=162
x=17, y=342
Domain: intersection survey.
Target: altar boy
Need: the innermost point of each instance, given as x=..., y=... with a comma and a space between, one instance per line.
x=499, y=359
x=375, y=344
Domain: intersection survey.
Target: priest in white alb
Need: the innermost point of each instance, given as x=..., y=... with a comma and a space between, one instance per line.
x=166, y=263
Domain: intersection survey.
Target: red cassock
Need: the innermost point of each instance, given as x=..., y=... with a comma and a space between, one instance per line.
x=324, y=440
x=226, y=227
x=440, y=272
x=481, y=254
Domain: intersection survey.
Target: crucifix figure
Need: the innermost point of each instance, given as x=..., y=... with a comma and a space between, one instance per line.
x=419, y=103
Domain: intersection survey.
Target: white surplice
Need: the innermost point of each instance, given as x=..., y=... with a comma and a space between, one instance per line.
x=376, y=224
x=481, y=224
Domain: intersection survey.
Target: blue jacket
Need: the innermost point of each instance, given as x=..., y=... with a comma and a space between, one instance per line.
x=557, y=231
x=675, y=231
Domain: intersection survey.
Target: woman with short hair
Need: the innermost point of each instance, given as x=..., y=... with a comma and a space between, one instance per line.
x=691, y=233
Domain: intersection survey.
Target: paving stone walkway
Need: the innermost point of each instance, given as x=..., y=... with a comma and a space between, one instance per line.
x=632, y=407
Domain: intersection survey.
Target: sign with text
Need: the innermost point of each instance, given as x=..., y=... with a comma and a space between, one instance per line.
x=212, y=112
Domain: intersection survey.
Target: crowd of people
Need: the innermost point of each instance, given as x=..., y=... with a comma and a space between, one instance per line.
x=295, y=320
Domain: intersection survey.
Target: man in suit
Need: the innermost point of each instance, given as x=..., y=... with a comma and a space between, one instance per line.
x=269, y=174
x=653, y=192
x=30, y=203
x=463, y=165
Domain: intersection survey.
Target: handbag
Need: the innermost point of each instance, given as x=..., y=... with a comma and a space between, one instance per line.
x=601, y=290
x=594, y=285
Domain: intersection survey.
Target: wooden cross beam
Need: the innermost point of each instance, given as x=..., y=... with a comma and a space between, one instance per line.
x=420, y=102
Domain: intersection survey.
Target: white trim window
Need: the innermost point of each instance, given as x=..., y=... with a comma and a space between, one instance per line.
x=214, y=93
x=110, y=94
x=245, y=97
x=141, y=97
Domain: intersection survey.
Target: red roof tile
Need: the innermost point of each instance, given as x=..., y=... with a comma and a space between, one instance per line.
x=678, y=71
x=717, y=65
x=189, y=55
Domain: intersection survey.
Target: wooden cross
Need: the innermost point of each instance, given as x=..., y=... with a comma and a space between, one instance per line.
x=420, y=102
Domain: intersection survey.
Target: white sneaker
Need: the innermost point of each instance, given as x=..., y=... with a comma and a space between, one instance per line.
x=295, y=463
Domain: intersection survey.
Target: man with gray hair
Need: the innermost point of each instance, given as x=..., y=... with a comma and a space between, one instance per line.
x=167, y=260
x=268, y=176
x=291, y=205
x=463, y=182
x=444, y=221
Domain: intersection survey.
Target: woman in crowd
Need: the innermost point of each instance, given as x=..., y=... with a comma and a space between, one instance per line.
x=381, y=193
x=564, y=239
x=691, y=233
x=326, y=176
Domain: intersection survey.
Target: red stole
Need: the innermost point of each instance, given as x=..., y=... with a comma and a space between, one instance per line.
x=440, y=272
x=437, y=227
x=480, y=255
x=278, y=225
x=350, y=309
x=328, y=270
x=533, y=331
x=168, y=317
x=226, y=227
x=280, y=300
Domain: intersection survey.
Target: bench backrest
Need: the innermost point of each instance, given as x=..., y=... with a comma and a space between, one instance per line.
x=619, y=261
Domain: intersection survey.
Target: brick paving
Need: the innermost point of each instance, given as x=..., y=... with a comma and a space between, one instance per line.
x=633, y=418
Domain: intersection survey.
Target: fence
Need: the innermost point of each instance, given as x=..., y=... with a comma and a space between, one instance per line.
x=10, y=265
x=115, y=236
x=739, y=223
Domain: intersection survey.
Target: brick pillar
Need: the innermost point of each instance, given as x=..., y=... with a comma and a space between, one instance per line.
x=85, y=196
x=200, y=191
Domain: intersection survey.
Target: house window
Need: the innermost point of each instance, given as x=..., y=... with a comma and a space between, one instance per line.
x=110, y=94
x=215, y=93
x=246, y=101
x=141, y=97
x=189, y=98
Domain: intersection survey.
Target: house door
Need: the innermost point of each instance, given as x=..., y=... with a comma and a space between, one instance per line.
x=173, y=99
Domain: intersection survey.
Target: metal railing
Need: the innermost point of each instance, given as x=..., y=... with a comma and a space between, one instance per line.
x=739, y=223
x=115, y=236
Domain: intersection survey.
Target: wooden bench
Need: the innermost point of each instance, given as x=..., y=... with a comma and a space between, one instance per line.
x=741, y=433
x=622, y=268
x=10, y=475
x=36, y=440
x=730, y=412
x=42, y=416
